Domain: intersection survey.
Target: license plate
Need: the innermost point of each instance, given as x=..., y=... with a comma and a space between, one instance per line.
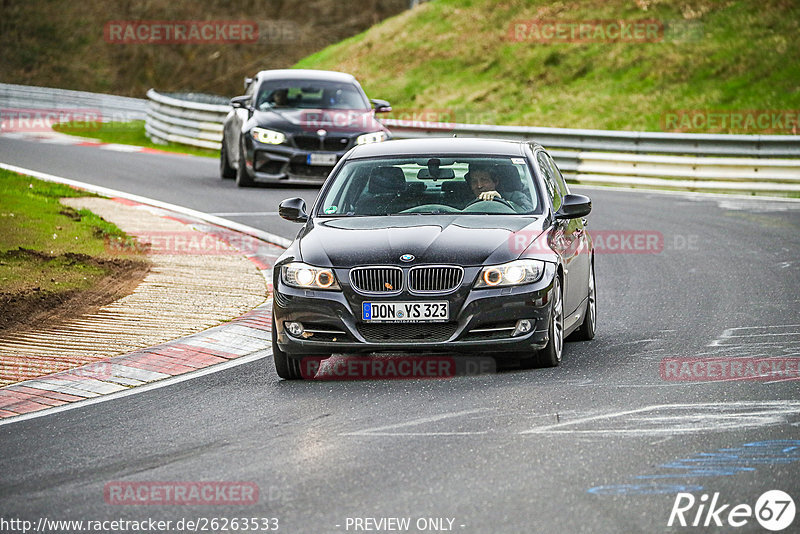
x=414, y=312
x=321, y=159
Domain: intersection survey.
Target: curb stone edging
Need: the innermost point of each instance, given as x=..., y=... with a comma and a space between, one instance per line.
x=243, y=338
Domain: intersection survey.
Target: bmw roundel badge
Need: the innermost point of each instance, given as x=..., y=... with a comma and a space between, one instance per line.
x=407, y=257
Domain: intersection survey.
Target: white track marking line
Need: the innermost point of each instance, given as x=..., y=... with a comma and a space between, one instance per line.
x=586, y=419
x=380, y=430
x=788, y=379
x=765, y=326
x=768, y=408
x=120, y=148
x=765, y=335
x=730, y=333
x=140, y=389
x=105, y=191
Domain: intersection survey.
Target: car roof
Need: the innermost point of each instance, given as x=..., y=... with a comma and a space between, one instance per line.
x=441, y=145
x=305, y=74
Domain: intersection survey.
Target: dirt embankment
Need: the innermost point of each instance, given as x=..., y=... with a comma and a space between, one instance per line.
x=34, y=307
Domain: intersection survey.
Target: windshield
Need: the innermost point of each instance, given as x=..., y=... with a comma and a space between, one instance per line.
x=310, y=94
x=417, y=185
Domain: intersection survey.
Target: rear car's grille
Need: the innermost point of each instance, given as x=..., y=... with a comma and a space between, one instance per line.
x=307, y=142
x=335, y=143
x=313, y=171
x=377, y=279
x=434, y=279
x=390, y=332
x=331, y=144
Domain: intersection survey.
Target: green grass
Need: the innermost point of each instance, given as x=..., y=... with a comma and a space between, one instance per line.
x=456, y=57
x=46, y=246
x=126, y=133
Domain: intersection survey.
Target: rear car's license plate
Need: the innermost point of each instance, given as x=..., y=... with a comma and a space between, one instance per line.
x=380, y=312
x=321, y=159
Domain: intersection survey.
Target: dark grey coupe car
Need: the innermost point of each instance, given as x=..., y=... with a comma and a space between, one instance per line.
x=436, y=246
x=294, y=125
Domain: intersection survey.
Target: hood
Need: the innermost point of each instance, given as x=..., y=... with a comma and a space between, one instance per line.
x=311, y=120
x=465, y=240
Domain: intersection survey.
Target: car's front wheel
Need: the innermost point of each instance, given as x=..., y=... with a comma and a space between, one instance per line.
x=225, y=168
x=550, y=356
x=286, y=367
x=243, y=178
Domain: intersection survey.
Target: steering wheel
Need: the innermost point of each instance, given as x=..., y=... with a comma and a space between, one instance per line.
x=497, y=199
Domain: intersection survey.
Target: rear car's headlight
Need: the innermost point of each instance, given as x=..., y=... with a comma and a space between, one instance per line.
x=374, y=137
x=269, y=137
x=513, y=273
x=307, y=277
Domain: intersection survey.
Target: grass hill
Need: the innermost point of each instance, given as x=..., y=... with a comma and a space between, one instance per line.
x=462, y=59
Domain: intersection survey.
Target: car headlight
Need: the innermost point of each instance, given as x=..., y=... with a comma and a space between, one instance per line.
x=305, y=276
x=514, y=273
x=269, y=137
x=374, y=137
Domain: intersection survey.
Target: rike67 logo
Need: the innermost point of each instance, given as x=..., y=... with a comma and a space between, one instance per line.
x=774, y=510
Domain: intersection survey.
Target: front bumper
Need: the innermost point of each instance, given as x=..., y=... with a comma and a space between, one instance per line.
x=480, y=320
x=283, y=163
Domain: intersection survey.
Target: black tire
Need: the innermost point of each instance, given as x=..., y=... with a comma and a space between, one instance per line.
x=286, y=367
x=225, y=169
x=550, y=356
x=586, y=331
x=243, y=178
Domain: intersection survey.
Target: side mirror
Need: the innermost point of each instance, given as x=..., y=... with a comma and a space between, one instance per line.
x=574, y=206
x=247, y=82
x=241, y=102
x=381, y=106
x=293, y=209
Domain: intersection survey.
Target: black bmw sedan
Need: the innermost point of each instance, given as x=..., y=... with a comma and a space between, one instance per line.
x=294, y=125
x=436, y=246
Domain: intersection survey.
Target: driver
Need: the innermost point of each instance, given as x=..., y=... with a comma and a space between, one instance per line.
x=483, y=182
x=280, y=98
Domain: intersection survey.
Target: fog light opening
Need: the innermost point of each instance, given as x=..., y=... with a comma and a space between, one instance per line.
x=523, y=327
x=295, y=328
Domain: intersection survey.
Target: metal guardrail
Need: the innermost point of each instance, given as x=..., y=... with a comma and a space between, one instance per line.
x=772, y=146
x=746, y=163
x=107, y=107
x=171, y=120
x=754, y=163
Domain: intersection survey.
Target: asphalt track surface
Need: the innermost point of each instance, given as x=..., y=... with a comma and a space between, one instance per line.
x=602, y=443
